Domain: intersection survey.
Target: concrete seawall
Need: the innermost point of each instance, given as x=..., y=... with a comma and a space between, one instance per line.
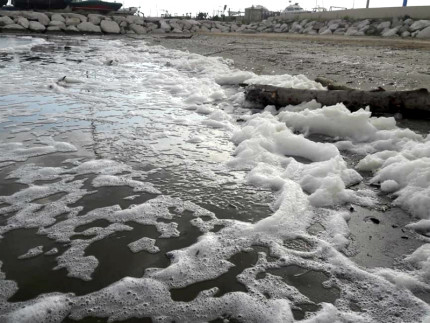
x=419, y=12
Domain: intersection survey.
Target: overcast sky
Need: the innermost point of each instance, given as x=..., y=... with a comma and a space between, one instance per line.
x=152, y=8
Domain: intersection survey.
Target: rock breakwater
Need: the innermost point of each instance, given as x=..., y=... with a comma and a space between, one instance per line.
x=28, y=21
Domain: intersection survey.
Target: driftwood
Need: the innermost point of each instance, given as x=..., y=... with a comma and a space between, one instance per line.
x=411, y=104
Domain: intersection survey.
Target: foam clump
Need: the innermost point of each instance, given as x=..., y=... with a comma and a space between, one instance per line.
x=33, y=252
x=17, y=151
x=334, y=121
x=285, y=80
x=267, y=147
x=44, y=309
x=144, y=243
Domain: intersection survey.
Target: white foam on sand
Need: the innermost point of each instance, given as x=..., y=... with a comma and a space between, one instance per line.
x=311, y=181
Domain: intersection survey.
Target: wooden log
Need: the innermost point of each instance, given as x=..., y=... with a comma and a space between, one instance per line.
x=411, y=104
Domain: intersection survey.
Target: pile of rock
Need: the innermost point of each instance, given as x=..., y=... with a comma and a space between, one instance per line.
x=115, y=24
x=396, y=27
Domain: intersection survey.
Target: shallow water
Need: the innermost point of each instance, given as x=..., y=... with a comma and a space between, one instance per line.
x=119, y=141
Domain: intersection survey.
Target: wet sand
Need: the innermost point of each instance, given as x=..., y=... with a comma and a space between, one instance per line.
x=362, y=62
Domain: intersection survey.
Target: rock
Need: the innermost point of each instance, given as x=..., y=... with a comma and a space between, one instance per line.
x=372, y=31
x=384, y=25
x=165, y=26
x=54, y=28
x=138, y=29
x=73, y=21
x=158, y=31
x=364, y=29
x=333, y=27
x=119, y=19
x=424, y=34
x=36, y=26
x=88, y=27
x=390, y=32
x=296, y=28
x=318, y=25
x=23, y=22
x=363, y=24
x=82, y=18
x=352, y=31
x=95, y=19
x=4, y=21
x=323, y=29
x=40, y=17
x=204, y=29
x=136, y=20
x=110, y=27
x=406, y=34
x=151, y=26
x=13, y=27
x=71, y=28
x=396, y=22
x=408, y=22
x=215, y=30
x=340, y=31
x=123, y=24
x=56, y=23
x=57, y=17
x=403, y=29
x=326, y=32
x=235, y=27
x=420, y=24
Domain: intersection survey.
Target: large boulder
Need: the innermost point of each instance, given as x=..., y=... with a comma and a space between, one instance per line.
x=82, y=18
x=56, y=23
x=362, y=24
x=390, y=32
x=424, y=34
x=204, y=29
x=384, y=25
x=119, y=19
x=138, y=29
x=36, y=26
x=352, y=31
x=110, y=27
x=88, y=27
x=54, y=28
x=158, y=31
x=73, y=21
x=326, y=32
x=40, y=17
x=165, y=26
x=4, y=21
x=71, y=29
x=420, y=24
x=22, y=21
x=58, y=17
x=13, y=27
x=95, y=19
x=333, y=26
x=136, y=20
x=406, y=34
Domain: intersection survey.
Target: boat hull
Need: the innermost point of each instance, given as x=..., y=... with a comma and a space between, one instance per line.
x=40, y=4
x=101, y=6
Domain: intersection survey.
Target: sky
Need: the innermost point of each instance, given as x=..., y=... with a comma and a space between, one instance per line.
x=180, y=7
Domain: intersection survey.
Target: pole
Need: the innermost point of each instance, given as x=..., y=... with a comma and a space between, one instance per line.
x=405, y=3
x=367, y=5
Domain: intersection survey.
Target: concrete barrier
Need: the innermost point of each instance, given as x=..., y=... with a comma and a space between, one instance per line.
x=419, y=12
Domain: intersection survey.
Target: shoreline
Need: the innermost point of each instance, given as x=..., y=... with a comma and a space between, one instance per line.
x=364, y=63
